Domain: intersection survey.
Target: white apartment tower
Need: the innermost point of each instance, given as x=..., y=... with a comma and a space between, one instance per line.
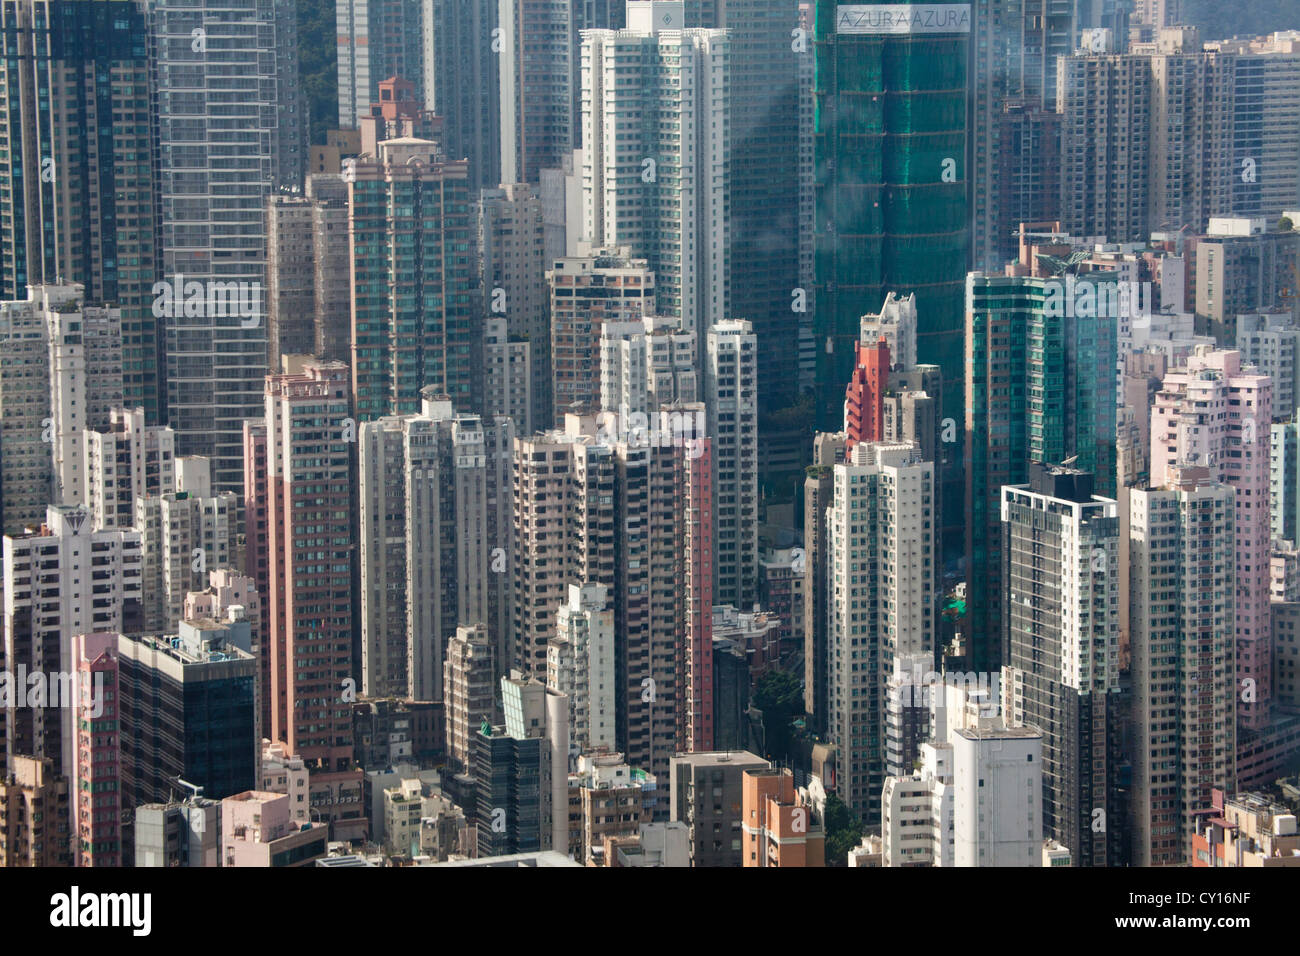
x=655, y=107
x=434, y=541
x=731, y=400
x=1182, y=573
x=1060, y=644
x=126, y=461
x=882, y=585
x=580, y=665
x=60, y=373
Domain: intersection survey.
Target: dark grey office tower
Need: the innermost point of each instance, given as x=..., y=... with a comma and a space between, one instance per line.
x=78, y=183
x=188, y=710
x=1060, y=627
x=705, y=791
x=508, y=807
x=463, y=83
x=730, y=694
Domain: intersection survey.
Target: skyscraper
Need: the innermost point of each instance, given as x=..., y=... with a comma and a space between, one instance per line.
x=1182, y=604
x=61, y=580
x=76, y=207
x=881, y=580
x=1060, y=559
x=655, y=112
x=1040, y=387
x=462, y=46
x=512, y=269
x=535, y=54
x=414, y=310
x=310, y=555
x=229, y=132
x=891, y=134
x=731, y=397
x=434, y=542
x=1217, y=413
x=377, y=39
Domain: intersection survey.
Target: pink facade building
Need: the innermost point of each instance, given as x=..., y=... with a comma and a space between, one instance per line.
x=1216, y=413
x=257, y=829
x=98, y=787
x=308, y=500
x=257, y=495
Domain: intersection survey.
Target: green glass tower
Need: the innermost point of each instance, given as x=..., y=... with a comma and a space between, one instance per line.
x=890, y=137
x=1040, y=387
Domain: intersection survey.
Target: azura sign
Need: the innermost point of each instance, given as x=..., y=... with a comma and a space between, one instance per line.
x=902, y=18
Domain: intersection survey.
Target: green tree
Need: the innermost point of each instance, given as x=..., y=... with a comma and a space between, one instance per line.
x=318, y=70
x=844, y=831
x=779, y=696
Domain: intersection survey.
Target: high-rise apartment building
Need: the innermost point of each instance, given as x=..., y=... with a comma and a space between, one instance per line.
x=580, y=664
x=60, y=580
x=414, y=307
x=564, y=533
x=731, y=398
x=377, y=39
x=182, y=535
x=34, y=803
x=1169, y=134
x=230, y=131
x=310, y=554
x=1182, y=603
x=463, y=82
x=819, y=491
x=512, y=268
x=655, y=163
x=1060, y=626
x=1217, y=413
x=1242, y=267
x=127, y=461
x=763, y=190
x=60, y=373
x=1015, y=46
x=77, y=207
x=534, y=52
x=98, y=778
x=290, y=278
x=587, y=292
x=435, y=538
x=469, y=691
x=881, y=601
